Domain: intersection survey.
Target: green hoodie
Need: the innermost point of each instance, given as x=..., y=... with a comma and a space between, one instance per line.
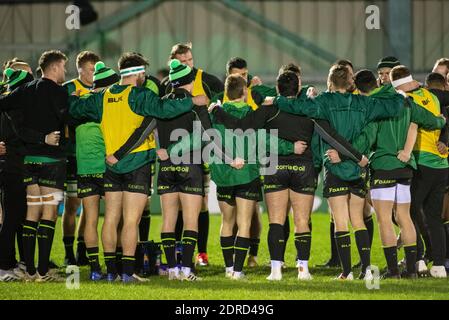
x=346, y=113
x=387, y=137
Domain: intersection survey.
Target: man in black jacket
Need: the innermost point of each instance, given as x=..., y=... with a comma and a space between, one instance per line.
x=43, y=103
x=12, y=189
x=436, y=83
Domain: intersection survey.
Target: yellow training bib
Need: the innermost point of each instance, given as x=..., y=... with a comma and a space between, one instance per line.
x=80, y=87
x=198, y=89
x=119, y=121
x=427, y=139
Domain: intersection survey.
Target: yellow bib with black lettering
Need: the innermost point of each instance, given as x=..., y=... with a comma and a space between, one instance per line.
x=198, y=89
x=119, y=121
x=79, y=87
x=249, y=100
x=427, y=139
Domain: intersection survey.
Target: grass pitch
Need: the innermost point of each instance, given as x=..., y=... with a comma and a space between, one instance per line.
x=216, y=286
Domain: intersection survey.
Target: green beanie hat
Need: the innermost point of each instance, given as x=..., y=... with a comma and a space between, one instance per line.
x=14, y=76
x=388, y=62
x=180, y=74
x=103, y=76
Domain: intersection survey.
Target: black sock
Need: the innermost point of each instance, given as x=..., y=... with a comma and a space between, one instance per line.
x=29, y=244
x=19, y=236
x=334, y=250
x=118, y=260
x=343, y=240
x=203, y=231
x=189, y=239
x=94, y=261
x=276, y=241
x=110, y=260
x=169, y=244
x=363, y=246
x=286, y=229
x=45, y=233
x=128, y=265
x=144, y=225
x=254, y=246
x=227, y=247
x=410, y=258
x=370, y=227
x=68, y=247
x=391, y=255
x=81, y=248
x=241, y=248
x=179, y=227
x=303, y=242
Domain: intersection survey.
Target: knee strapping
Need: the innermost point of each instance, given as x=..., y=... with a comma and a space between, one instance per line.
x=34, y=200
x=53, y=198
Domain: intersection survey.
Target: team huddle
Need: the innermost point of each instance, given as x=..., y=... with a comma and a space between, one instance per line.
x=381, y=142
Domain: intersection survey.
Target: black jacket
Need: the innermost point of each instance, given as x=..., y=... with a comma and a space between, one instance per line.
x=43, y=104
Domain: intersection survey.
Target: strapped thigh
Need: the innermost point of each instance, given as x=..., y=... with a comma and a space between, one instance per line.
x=34, y=200
x=52, y=198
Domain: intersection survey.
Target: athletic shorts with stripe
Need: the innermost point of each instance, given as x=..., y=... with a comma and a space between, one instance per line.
x=45, y=174
x=90, y=185
x=294, y=174
x=334, y=186
x=185, y=178
x=137, y=181
x=249, y=191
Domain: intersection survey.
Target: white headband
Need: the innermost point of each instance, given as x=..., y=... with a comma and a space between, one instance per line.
x=132, y=70
x=401, y=81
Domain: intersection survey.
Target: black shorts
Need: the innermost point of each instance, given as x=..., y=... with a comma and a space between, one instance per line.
x=334, y=186
x=90, y=185
x=376, y=183
x=294, y=174
x=51, y=174
x=185, y=178
x=249, y=191
x=137, y=181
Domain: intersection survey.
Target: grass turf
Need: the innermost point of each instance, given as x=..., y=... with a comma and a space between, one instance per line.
x=216, y=286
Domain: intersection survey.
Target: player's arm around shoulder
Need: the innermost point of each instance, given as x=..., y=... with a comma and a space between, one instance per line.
x=425, y=119
x=89, y=106
x=146, y=103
